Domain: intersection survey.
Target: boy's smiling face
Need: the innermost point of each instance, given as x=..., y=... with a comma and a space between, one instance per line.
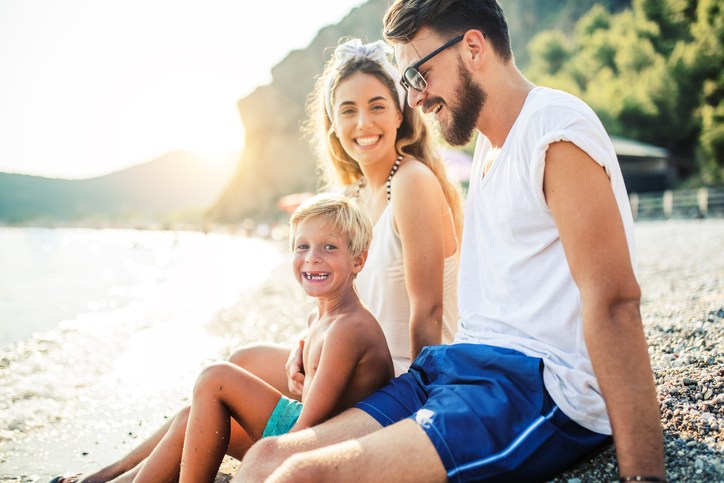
x=321, y=260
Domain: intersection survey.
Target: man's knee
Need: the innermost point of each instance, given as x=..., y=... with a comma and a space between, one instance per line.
x=264, y=460
x=263, y=450
x=261, y=459
x=301, y=469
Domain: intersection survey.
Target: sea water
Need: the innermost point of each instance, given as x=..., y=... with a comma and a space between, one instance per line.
x=101, y=329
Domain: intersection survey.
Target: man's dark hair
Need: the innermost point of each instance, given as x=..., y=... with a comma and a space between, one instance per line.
x=448, y=18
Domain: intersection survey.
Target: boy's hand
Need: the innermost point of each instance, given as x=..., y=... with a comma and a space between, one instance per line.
x=295, y=369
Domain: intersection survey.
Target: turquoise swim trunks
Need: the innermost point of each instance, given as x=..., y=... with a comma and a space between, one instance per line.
x=283, y=417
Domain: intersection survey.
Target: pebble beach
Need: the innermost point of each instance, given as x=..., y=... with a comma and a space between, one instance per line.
x=681, y=273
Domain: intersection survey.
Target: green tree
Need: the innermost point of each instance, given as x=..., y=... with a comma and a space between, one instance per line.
x=652, y=72
x=705, y=58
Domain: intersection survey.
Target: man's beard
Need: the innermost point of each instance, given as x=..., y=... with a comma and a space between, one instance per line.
x=464, y=111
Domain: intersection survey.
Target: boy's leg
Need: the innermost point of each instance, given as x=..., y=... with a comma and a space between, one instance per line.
x=127, y=467
x=265, y=360
x=223, y=391
x=164, y=462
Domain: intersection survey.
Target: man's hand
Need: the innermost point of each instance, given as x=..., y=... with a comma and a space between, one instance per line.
x=295, y=369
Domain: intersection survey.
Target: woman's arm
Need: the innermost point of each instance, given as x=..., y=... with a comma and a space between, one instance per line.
x=419, y=209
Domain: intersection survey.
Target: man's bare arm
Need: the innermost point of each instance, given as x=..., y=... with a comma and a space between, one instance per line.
x=579, y=195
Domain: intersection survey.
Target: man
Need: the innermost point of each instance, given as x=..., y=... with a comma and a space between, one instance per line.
x=550, y=356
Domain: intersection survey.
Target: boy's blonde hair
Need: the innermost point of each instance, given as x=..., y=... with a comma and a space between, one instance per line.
x=344, y=215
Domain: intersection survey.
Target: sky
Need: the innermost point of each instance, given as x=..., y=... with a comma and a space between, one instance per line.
x=89, y=87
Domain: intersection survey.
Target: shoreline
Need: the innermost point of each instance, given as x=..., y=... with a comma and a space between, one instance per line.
x=681, y=272
x=78, y=396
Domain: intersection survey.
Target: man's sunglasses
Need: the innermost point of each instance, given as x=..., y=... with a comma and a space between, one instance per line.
x=412, y=79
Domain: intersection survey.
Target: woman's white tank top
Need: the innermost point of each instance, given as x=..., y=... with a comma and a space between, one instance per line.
x=381, y=287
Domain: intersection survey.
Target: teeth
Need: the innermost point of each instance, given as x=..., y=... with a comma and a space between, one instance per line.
x=315, y=276
x=366, y=141
x=437, y=109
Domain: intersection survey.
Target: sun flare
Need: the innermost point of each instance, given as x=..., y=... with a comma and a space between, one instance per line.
x=189, y=112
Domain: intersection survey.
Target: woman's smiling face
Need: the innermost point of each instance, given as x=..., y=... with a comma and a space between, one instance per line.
x=366, y=118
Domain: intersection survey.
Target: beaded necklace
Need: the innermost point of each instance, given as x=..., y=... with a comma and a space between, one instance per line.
x=394, y=169
x=395, y=166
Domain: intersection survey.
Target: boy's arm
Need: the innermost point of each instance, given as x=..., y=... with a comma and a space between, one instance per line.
x=343, y=347
x=579, y=195
x=295, y=363
x=295, y=369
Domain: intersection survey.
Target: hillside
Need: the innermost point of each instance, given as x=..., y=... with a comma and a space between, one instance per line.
x=176, y=186
x=277, y=161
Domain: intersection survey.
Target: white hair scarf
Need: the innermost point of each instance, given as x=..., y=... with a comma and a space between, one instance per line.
x=353, y=50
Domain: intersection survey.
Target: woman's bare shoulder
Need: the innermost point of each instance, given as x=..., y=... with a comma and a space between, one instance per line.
x=413, y=180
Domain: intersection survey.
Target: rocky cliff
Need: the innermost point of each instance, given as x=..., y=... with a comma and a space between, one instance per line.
x=276, y=159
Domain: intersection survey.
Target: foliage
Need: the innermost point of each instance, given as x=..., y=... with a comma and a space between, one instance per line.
x=527, y=17
x=652, y=72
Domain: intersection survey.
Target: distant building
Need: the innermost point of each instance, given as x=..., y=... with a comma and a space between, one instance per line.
x=645, y=167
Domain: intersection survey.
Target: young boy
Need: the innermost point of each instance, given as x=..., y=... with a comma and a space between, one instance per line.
x=344, y=353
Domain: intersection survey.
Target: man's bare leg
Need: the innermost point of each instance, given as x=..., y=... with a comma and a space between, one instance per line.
x=350, y=447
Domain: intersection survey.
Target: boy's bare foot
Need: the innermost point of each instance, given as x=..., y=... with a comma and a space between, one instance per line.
x=67, y=479
x=83, y=478
x=116, y=472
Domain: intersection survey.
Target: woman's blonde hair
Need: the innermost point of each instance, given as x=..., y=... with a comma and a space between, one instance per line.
x=413, y=136
x=342, y=213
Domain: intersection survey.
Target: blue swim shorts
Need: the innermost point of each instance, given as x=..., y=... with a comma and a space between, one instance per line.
x=487, y=413
x=285, y=414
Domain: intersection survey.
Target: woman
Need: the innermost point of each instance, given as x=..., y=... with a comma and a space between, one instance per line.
x=381, y=152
